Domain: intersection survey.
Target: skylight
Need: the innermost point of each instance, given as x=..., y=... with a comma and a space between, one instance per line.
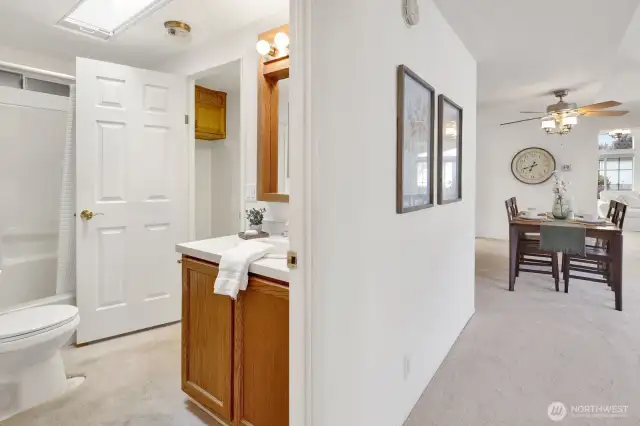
x=104, y=18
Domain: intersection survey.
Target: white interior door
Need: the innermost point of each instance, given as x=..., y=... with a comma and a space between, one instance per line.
x=131, y=162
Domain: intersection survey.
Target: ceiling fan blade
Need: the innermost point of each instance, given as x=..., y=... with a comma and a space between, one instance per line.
x=532, y=112
x=605, y=113
x=520, y=121
x=601, y=105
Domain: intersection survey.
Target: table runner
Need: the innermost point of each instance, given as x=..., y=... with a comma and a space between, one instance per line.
x=563, y=237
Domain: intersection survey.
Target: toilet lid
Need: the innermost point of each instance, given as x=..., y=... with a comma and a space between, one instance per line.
x=32, y=320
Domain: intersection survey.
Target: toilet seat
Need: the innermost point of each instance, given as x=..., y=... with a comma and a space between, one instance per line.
x=33, y=321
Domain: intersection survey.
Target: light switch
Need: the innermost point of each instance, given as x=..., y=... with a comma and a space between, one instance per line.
x=250, y=191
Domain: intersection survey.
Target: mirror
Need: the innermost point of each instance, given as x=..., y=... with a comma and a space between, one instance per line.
x=273, y=123
x=283, y=136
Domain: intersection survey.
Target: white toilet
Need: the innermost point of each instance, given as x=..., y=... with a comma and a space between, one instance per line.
x=31, y=368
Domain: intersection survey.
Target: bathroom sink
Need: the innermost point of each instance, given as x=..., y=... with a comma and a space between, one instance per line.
x=280, y=247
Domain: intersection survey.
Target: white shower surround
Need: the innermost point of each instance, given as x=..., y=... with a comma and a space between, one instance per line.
x=30, y=177
x=66, y=273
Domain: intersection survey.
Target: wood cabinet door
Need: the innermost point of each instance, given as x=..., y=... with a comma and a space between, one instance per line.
x=211, y=113
x=262, y=355
x=207, y=340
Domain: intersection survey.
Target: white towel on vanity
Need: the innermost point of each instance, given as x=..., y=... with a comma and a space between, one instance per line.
x=233, y=273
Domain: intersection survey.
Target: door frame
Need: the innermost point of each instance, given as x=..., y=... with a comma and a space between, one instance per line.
x=303, y=174
x=191, y=140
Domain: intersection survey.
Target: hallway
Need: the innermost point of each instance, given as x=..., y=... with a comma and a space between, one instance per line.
x=522, y=351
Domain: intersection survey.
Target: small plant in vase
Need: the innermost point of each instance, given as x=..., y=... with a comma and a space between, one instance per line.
x=562, y=207
x=255, y=218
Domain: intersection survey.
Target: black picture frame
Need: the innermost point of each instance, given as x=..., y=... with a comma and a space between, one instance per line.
x=421, y=196
x=445, y=102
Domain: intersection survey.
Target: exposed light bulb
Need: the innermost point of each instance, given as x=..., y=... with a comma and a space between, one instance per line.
x=263, y=47
x=281, y=41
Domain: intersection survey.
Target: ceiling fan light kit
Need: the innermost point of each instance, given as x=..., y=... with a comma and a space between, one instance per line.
x=562, y=116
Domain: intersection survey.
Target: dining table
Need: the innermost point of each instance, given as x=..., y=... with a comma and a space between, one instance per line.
x=607, y=232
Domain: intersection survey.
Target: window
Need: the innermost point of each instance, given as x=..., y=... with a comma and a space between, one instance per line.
x=104, y=18
x=615, y=173
x=609, y=142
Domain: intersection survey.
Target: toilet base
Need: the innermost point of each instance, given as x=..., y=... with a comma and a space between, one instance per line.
x=34, y=385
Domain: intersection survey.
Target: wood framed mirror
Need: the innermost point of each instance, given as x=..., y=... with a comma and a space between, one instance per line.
x=273, y=122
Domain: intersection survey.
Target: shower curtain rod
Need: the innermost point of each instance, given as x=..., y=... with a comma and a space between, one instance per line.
x=22, y=68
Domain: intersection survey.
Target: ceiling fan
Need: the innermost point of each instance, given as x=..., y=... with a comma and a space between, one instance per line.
x=562, y=116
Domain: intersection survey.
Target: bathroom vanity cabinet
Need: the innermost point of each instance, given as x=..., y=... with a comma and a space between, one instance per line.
x=235, y=354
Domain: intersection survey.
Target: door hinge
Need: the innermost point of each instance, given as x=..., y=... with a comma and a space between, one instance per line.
x=186, y=119
x=292, y=259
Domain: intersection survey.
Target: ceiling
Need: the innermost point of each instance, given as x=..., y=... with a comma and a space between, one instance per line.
x=525, y=49
x=225, y=78
x=31, y=25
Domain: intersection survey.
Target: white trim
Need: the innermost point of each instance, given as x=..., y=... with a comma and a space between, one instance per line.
x=191, y=155
x=27, y=98
x=303, y=174
x=31, y=71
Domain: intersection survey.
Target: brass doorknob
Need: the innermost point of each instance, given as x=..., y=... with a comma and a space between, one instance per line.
x=88, y=214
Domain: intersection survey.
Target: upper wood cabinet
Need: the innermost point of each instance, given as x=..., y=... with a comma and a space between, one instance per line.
x=211, y=114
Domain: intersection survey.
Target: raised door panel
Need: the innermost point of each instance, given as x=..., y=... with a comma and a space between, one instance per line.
x=207, y=340
x=262, y=355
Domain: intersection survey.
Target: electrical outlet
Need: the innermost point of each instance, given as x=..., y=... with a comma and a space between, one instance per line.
x=250, y=191
x=407, y=367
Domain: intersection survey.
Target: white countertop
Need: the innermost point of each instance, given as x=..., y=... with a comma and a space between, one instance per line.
x=211, y=251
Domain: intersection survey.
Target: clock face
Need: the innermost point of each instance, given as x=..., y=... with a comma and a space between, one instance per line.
x=533, y=166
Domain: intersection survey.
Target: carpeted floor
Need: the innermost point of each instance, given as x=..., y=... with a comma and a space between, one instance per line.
x=520, y=352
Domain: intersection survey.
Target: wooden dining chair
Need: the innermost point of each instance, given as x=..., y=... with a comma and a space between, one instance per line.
x=529, y=253
x=598, y=259
x=595, y=242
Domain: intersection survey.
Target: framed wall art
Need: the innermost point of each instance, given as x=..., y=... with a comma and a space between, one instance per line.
x=449, y=151
x=415, y=142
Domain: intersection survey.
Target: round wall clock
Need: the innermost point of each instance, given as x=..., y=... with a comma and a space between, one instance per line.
x=533, y=166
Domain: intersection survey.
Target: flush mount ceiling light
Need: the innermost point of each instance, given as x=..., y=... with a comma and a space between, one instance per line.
x=178, y=32
x=105, y=18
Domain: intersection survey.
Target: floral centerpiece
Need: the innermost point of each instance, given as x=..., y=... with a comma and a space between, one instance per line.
x=562, y=207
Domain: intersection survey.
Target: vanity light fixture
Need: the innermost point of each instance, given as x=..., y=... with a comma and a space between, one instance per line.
x=279, y=48
x=281, y=41
x=265, y=49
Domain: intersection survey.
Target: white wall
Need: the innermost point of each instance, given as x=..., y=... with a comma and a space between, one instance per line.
x=37, y=60
x=238, y=45
x=496, y=147
x=217, y=165
x=31, y=147
x=386, y=287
